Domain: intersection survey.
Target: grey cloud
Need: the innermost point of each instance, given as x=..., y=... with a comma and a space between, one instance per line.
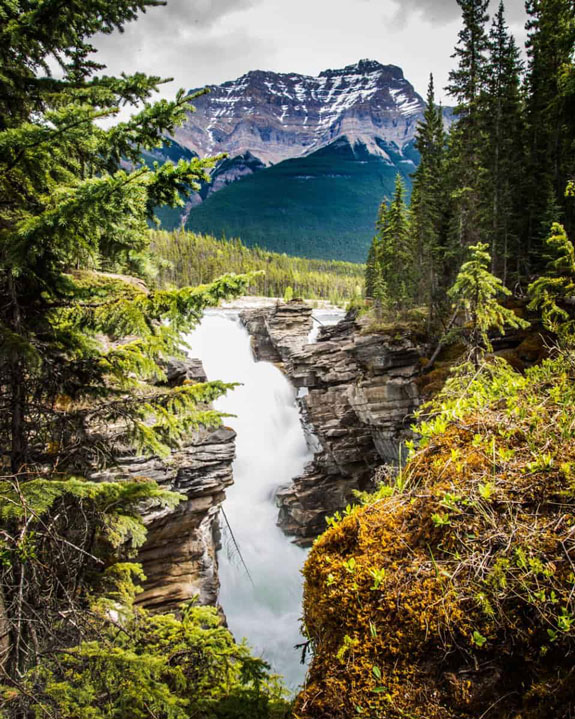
x=186, y=40
x=193, y=58
x=441, y=11
x=181, y=14
x=177, y=20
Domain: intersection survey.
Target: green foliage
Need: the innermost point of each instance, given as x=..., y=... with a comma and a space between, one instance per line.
x=475, y=294
x=186, y=258
x=371, y=267
x=472, y=558
x=428, y=202
x=396, y=249
x=64, y=539
x=320, y=206
x=84, y=344
x=466, y=85
x=503, y=158
x=551, y=293
x=380, y=292
x=389, y=281
x=152, y=667
x=550, y=120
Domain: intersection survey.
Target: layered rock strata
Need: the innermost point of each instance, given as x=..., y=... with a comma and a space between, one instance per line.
x=278, y=332
x=358, y=395
x=179, y=555
x=277, y=116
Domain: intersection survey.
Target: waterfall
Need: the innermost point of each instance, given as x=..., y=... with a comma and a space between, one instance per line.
x=271, y=451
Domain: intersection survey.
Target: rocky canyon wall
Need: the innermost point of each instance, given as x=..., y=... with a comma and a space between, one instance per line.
x=358, y=392
x=179, y=555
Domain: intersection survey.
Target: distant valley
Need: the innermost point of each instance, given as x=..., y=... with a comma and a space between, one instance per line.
x=309, y=158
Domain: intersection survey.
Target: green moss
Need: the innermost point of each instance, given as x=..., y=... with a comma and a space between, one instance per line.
x=474, y=613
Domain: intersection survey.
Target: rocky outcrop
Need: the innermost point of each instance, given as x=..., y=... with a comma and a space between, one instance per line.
x=179, y=555
x=359, y=393
x=277, y=333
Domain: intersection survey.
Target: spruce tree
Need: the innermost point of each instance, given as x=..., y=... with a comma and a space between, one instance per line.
x=428, y=201
x=396, y=251
x=554, y=292
x=83, y=338
x=475, y=295
x=380, y=294
x=550, y=121
x=503, y=153
x=467, y=85
x=371, y=267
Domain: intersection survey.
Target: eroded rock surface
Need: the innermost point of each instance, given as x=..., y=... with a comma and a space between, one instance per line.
x=278, y=332
x=179, y=555
x=359, y=397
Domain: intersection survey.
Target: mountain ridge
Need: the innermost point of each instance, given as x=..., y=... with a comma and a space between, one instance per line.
x=323, y=202
x=277, y=116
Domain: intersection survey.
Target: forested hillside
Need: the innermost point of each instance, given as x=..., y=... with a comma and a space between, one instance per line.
x=319, y=206
x=190, y=259
x=308, y=158
x=503, y=174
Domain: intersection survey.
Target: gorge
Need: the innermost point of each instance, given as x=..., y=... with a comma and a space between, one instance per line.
x=259, y=568
x=318, y=407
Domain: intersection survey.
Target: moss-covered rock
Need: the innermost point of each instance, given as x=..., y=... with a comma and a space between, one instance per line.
x=450, y=594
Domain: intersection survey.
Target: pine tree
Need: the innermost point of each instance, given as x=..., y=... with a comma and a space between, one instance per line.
x=83, y=339
x=428, y=201
x=371, y=268
x=380, y=294
x=467, y=85
x=503, y=154
x=474, y=294
x=396, y=251
x=550, y=120
x=553, y=292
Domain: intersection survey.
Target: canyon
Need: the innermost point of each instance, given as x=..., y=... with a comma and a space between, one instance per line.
x=357, y=392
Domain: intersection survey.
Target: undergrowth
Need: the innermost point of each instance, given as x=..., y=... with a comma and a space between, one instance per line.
x=451, y=592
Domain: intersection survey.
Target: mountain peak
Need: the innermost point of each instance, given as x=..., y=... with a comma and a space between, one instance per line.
x=277, y=116
x=366, y=67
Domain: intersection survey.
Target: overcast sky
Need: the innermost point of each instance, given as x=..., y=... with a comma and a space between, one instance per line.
x=202, y=42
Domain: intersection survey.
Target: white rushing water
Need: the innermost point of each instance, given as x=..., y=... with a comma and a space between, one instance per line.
x=271, y=451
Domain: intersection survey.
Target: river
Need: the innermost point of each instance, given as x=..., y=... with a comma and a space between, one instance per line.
x=261, y=600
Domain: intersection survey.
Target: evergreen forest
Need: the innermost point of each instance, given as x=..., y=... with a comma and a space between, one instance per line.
x=446, y=590
x=502, y=175
x=190, y=259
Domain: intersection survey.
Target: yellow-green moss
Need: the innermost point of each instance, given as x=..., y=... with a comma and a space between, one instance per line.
x=455, y=597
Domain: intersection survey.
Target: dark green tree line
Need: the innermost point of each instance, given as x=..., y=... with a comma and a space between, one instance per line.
x=499, y=177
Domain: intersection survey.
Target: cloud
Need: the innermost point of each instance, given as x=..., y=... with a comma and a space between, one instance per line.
x=438, y=12
x=178, y=14
x=188, y=40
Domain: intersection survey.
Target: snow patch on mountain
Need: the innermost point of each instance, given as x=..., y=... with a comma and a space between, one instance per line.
x=277, y=116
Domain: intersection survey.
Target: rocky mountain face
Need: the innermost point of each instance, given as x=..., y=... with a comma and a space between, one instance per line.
x=276, y=116
x=305, y=155
x=359, y=392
